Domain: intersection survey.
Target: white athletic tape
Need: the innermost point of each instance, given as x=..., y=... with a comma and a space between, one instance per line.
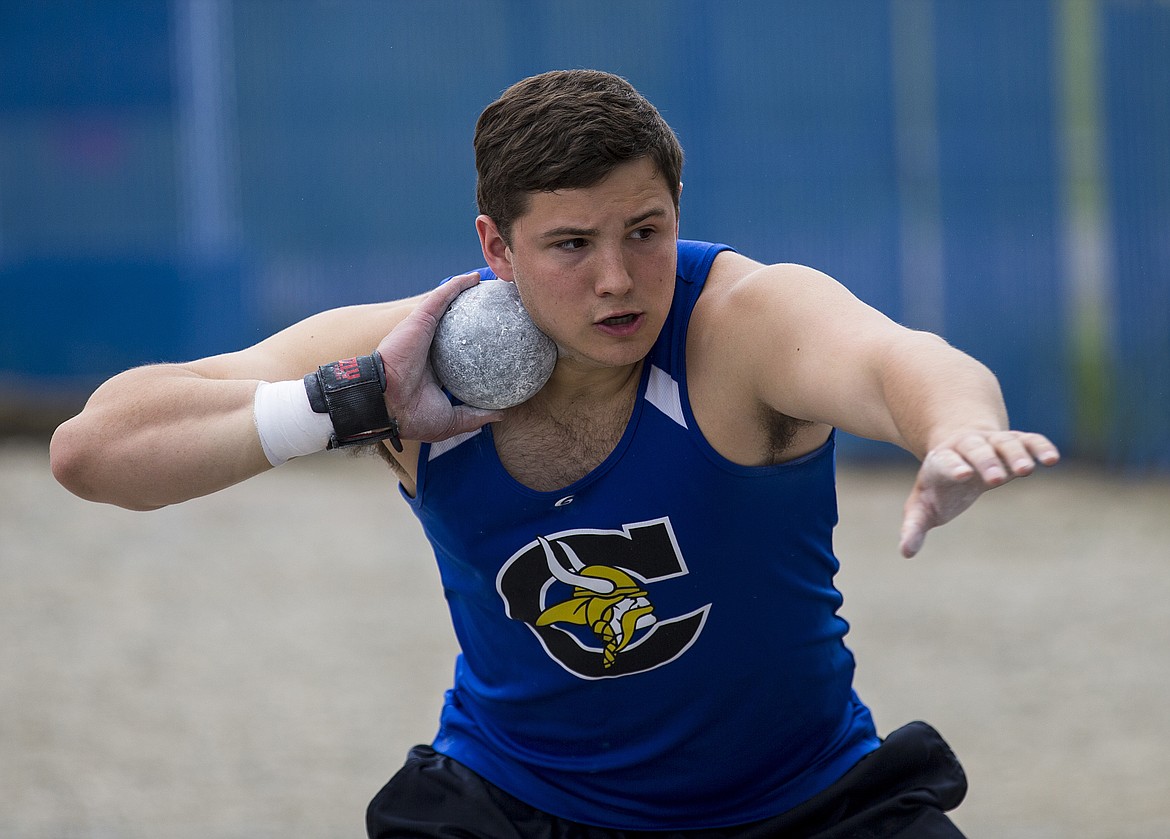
x=287, y=424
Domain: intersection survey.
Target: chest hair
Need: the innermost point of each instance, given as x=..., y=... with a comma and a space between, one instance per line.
x=547, y=450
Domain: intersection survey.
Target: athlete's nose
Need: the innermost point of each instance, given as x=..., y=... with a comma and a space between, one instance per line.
x=613, y=277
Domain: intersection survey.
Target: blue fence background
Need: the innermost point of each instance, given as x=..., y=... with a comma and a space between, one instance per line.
x=182, y=178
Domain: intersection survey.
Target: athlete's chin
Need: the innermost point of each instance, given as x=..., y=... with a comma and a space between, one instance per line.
x=619, y=351
x=620, y=354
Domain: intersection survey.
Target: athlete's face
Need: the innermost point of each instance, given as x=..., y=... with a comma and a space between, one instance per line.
x=594, y=266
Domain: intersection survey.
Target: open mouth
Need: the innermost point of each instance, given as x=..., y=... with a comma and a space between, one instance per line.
x=620, y=320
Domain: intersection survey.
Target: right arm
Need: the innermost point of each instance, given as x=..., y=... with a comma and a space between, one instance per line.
x=162, y=434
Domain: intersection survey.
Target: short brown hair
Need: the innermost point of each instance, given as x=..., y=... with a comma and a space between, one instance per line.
x=565, y=129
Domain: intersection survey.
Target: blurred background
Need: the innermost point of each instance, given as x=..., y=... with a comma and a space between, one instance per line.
x=182, y=178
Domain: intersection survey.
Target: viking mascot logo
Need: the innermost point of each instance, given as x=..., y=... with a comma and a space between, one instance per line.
x=607, y=600
x=586, y=595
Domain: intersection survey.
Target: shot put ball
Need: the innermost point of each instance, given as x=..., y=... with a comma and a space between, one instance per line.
x=487, y=351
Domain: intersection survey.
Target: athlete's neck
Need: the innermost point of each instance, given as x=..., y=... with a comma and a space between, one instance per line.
x=572, y=386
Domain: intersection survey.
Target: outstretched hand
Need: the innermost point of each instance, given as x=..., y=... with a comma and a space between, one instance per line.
x=413, y=394
x=960, y=469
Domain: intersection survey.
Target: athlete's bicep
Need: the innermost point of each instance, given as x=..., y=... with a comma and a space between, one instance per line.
x=302, y=347
x=815, y=350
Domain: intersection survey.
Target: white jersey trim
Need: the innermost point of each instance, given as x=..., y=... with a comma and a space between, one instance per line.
x=444, y=446
x=662, y=393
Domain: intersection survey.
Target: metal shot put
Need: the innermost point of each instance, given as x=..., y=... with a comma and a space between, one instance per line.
x=487, y=351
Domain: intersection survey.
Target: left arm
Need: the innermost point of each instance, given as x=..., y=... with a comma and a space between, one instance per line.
x=832, y=359
x=949, y=411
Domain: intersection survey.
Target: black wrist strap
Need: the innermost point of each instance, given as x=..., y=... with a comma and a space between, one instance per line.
x=351, y=392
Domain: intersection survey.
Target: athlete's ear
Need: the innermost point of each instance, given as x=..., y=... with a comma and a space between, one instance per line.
x=678, y=209
x=495, y=249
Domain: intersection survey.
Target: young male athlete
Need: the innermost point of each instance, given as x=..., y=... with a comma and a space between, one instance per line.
x=638, y=560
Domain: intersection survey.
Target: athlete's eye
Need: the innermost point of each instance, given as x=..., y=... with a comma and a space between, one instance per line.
x=570, y=244
x=642, y=233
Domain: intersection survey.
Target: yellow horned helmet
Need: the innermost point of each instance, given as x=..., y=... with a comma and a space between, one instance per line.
x=605, y=599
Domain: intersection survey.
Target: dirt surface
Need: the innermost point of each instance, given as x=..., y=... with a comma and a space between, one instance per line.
x=230, y=668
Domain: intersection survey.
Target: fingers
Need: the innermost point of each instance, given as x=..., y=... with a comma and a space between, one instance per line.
x=914, y=529
x=951, y=463
x=1041, y=448
x=405, y=347
x=435, y=304
x=468, y=418
x=413, y=395
x=956, y=472
x=938, y=496
x=999, y=456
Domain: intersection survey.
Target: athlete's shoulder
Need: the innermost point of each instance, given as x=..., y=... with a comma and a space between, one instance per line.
x=695, y=258
x=744, y=304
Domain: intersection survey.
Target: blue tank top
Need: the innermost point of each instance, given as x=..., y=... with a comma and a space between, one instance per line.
x=656, y=645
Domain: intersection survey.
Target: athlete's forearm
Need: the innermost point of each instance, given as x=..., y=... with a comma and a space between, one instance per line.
x=159, y=435
x=933, y=392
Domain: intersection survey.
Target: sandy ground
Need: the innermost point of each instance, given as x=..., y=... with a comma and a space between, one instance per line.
x=224, y=669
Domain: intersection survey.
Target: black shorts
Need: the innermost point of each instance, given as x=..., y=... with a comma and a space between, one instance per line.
x=902, y=789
